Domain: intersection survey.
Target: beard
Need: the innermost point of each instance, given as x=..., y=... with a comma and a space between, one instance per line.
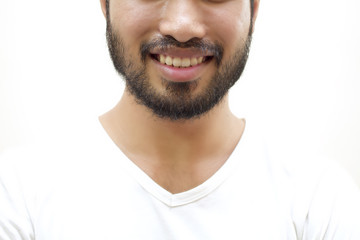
x=177, y=101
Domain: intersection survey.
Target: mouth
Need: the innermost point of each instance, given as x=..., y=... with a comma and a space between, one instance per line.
x=181, y=65
x=180, y=62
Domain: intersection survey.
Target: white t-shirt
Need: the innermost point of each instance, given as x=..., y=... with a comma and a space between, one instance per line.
x=84, y=187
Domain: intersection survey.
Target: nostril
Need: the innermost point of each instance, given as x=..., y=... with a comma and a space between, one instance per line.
x=182, y=31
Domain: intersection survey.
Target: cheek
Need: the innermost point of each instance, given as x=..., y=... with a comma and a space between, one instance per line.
x=230, y=26
x=132, y=20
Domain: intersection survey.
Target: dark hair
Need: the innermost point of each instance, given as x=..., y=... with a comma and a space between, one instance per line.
x=252, y=7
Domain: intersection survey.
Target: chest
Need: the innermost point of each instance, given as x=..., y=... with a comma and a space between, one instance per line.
x=130, y=212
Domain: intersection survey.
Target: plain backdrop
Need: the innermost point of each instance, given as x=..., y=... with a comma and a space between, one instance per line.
x=302, y=77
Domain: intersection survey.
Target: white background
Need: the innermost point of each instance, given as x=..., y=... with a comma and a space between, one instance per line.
x=302, y=78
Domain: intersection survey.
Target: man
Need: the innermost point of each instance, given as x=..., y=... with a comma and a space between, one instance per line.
x=179, y=164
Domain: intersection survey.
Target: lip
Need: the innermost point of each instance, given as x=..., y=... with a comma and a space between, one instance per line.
x=180, y=74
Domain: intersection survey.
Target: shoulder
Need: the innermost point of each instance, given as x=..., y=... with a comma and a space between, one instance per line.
x=73, y=156
x=15, y=220
x=334, y=209
x=325, y=201
x=321, y=198
x=60, y=153
x=48, y=173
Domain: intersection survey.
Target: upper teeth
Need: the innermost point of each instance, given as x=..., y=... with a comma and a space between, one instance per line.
x=180, y=62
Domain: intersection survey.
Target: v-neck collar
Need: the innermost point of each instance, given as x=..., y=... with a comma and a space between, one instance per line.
x=186, y=197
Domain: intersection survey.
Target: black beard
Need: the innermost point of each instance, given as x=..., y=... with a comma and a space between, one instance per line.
x=178, y=102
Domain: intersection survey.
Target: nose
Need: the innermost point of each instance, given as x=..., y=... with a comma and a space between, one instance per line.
x=182, y=20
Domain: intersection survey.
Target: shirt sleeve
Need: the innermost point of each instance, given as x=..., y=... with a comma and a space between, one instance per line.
x=15, y=221
x=334, y=212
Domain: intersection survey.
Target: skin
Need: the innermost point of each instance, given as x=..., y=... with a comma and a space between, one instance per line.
x=178, y=155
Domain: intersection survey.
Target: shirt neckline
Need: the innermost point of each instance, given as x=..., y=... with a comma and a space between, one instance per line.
x=188, y=196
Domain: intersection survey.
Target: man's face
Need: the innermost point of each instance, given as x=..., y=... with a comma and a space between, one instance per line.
x=179, y=57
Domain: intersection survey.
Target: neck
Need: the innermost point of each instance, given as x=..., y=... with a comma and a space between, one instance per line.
x=173, y=146
x=141, y=129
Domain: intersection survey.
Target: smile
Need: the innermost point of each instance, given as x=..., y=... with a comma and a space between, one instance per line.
x=180, y=62
x=181, y=65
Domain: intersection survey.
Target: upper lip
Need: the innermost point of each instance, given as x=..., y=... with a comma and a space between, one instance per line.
x=181, y=52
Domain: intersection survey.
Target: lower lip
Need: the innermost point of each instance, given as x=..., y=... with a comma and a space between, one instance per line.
x=180, y=74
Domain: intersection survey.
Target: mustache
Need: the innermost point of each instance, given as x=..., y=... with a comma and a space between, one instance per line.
x=168, y=42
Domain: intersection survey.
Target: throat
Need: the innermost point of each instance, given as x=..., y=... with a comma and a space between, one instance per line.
x=178, y=156
x=181, y=179
x=182, y=174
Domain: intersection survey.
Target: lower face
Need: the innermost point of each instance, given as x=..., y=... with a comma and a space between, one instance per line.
x=177, y=88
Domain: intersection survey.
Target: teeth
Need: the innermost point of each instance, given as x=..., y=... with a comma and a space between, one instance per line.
x=162, y=59
x=168, y=60
x=193, y=61
x=185, y=62
x=180, y=62
x=176, y=62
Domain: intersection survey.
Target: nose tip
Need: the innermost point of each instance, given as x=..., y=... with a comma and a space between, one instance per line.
x=182, y=21
x=182, y=31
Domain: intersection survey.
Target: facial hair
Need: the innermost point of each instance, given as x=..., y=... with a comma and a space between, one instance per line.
x=178, y=101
